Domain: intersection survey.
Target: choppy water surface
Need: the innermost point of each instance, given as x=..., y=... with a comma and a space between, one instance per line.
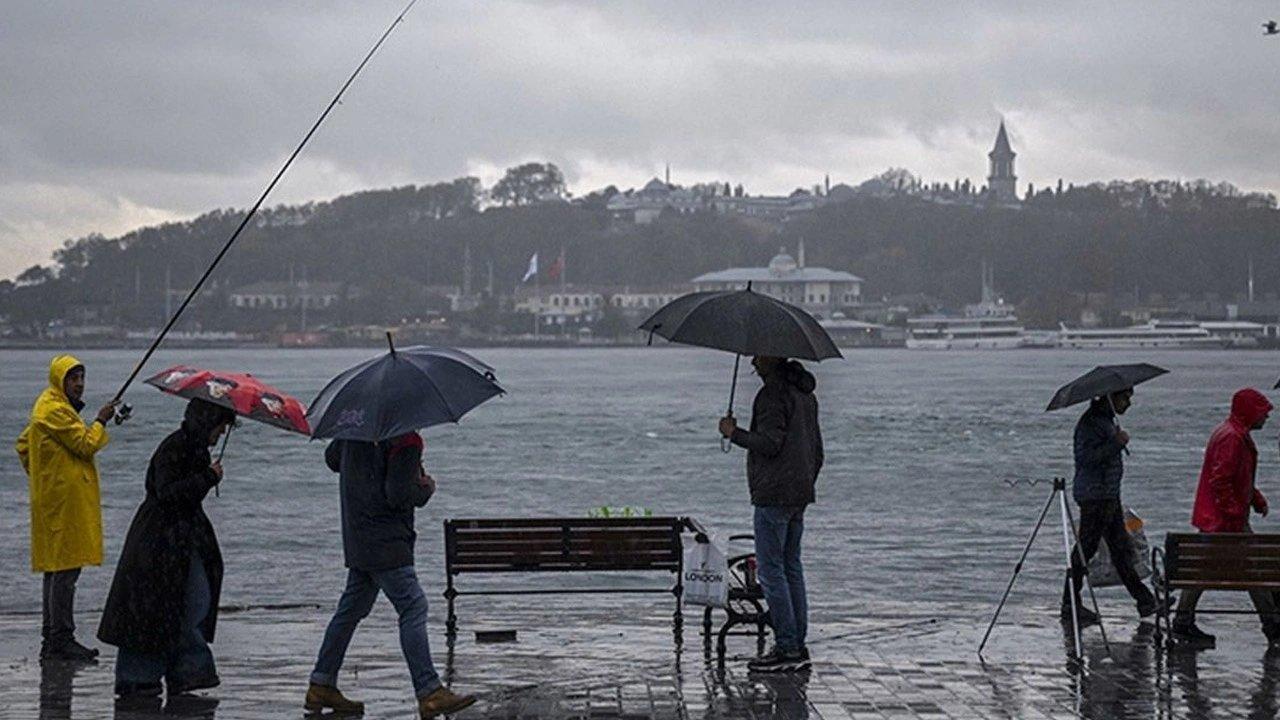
x=912, y=504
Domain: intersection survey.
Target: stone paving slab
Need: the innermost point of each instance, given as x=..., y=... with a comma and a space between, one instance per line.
x=576, y=661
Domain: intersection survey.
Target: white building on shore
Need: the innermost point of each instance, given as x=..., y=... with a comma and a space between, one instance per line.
x=820, y=291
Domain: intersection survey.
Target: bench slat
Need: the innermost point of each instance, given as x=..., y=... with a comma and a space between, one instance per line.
x=638, y=522
x=1228, y=551
x=1228, y=577
x=592, y=548
x=573, y=556
x=1223, y=585
x=561, y=566
x=659, y=535
x=1224, y=538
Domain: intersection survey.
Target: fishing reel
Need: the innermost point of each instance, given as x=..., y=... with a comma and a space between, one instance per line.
x=124, y=412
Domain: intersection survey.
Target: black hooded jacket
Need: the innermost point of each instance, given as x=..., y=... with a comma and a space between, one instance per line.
x=378, y=484
x=145, y=605
x=784, y=444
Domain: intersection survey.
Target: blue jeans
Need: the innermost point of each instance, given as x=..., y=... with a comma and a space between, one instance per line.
x=778, y=531
x=190, y=661
x=401, y=587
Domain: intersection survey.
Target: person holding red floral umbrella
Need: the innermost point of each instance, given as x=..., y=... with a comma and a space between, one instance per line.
x=162, y=609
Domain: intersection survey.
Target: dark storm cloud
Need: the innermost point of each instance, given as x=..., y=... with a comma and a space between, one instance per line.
x=129, y=112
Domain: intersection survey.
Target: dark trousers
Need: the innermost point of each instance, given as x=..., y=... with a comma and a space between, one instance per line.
x=401, y=587
x=778, y=531
x=190, y=661
x=58, y=607
x=1104, y=519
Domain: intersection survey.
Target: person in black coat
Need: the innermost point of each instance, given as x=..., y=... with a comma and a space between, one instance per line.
x=162, y=609
x=784, y=457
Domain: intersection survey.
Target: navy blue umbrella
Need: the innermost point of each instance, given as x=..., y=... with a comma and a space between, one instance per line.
x=402, y=391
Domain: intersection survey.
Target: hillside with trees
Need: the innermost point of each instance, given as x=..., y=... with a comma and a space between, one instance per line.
x=1124, y=239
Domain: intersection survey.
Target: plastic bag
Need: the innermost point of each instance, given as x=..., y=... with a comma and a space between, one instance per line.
x=706, y=572
x=1103, y=574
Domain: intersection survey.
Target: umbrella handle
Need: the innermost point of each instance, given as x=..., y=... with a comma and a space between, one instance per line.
x=725, y=443
x=1115, y=419
x=221, y=452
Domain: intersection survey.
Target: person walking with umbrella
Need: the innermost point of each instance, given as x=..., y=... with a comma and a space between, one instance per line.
x=162, y=609
x=784, y=457
x=371, y=412
x=1099, y=444
x=57, y=453
x=163, y=606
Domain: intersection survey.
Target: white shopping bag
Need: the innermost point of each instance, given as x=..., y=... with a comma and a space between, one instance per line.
x=706, y=573
x=1103, y=574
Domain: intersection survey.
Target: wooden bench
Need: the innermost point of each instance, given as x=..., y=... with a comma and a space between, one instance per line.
x=1213, y=561
x=541, y=545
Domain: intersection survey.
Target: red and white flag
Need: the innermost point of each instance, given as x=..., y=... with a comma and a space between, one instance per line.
x=557, y=268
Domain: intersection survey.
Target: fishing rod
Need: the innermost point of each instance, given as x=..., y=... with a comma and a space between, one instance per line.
x=125, y=411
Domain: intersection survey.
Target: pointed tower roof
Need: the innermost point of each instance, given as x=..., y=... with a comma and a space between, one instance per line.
x=1001, y=148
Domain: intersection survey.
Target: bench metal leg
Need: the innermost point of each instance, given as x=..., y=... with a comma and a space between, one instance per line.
x=722, y=637
x=706, y=631
x=451, y=621
x=678, y=618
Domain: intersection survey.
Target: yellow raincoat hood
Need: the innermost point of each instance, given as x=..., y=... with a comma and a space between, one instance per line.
x=57, y=450
x=59, y=367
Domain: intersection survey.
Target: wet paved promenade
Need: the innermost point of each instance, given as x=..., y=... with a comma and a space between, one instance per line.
x=885, y=662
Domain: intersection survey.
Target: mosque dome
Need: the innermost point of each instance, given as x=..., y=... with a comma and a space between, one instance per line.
x=782, y=263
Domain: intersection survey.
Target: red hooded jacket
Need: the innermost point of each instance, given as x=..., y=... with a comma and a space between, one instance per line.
x=1226, y=490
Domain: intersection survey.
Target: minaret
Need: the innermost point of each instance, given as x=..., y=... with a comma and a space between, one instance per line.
x=1002, y=182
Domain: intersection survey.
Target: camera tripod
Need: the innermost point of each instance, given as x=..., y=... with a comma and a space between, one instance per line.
x=1069, y=541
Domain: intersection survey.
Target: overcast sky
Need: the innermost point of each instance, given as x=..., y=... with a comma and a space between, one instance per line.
x=120, y=114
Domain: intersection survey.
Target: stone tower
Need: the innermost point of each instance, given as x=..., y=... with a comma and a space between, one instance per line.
x=1002, y=181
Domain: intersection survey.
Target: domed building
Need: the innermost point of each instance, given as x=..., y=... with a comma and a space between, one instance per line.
x=820, y=291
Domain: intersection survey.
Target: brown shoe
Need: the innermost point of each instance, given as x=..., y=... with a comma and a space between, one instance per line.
x=443, y=702
x=323, y=697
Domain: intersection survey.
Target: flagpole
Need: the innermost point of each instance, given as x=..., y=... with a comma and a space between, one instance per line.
x=560, y=270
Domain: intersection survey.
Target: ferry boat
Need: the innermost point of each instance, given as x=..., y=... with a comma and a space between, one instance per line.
x=945, y=332
x=986, y=325
x=1154, y=334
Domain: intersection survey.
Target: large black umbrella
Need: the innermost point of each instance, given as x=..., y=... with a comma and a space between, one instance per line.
x=1103, y=380
x=742, y=322
x=405, y=390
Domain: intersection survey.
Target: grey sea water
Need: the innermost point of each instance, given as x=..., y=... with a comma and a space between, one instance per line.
x=913, y=502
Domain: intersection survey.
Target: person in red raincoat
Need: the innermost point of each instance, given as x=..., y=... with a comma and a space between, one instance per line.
x=1224, y=497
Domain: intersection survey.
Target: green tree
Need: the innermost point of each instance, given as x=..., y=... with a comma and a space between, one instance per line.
x=529, y=183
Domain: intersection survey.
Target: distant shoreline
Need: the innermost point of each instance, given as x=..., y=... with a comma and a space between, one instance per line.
x=189, y=345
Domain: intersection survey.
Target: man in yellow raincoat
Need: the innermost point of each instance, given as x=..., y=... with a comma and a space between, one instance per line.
x=57, y=450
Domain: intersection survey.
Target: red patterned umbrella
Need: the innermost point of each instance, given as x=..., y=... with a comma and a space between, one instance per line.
x=245, y=394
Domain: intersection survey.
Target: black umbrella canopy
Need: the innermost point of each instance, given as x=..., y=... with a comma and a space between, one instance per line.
x=1103, y=380
x=401, y=391
x=742, y=322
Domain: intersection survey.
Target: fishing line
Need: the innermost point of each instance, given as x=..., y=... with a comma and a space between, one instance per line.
x=1029, y=482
